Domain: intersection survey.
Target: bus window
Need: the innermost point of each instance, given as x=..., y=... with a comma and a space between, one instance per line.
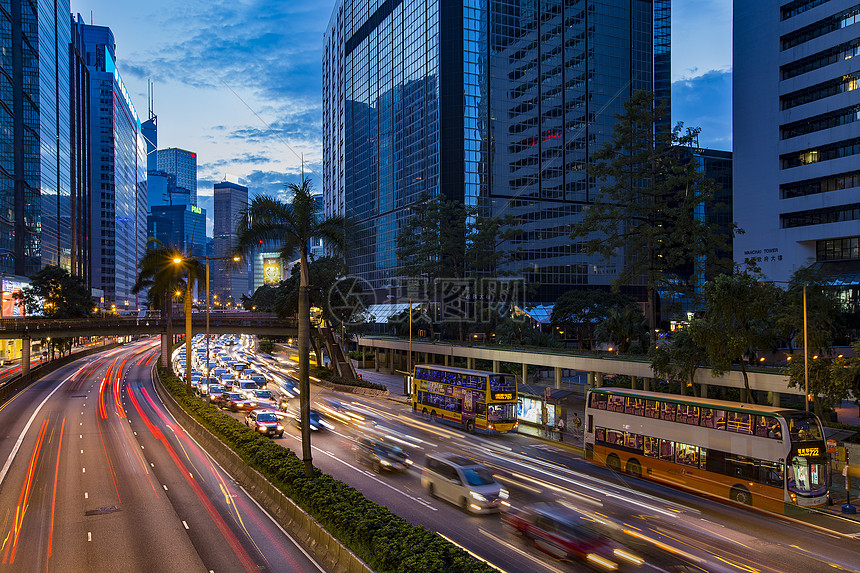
x=666, y=450
x=635, y=406
x=667, y=412
x=742, y=467
x=688, y=414
x=481, y=409
x=806, y=475
x=739, y=422
x=616, y=404
x=772, y=473
x=687, y=455
x=633, y=441
x=598, y=401
x=615, y=437
x=652, y=447
x=600, y=435
x=703, y=458
x=652, y=409
x=761, y=425
x=803, y=426
x=720, y=419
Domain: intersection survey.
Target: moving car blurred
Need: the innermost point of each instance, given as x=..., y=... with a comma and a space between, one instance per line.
x=264, y=422
x=463, y=482
x=233, y=401
x=567, y=533
x=317, y=421
x=381, y=455
x=214, y=393
x=259, y=399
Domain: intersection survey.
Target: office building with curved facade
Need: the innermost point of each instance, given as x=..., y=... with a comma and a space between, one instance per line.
x=496, y=103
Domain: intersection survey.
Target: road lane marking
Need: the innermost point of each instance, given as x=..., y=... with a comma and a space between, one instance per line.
x=89, y=535
x=517, y=549
x=86, y=495
x=185, y=524
x=164, y=486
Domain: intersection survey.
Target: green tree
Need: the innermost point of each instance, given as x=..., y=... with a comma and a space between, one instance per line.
x=824, y=319
x=581, y=310
x=648, y=217
x=621, y=327
x=61, y=295
x=680, y=357
x=738, y=321
x=294, y=224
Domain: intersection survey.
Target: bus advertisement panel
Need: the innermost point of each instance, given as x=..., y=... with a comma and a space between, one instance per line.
x=475, y=400
x=770, y=458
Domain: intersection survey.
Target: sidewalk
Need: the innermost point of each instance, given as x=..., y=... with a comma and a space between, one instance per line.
x=848, y=413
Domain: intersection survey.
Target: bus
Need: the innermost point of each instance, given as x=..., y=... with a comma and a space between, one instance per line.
x=769, y=458
x=475, y=400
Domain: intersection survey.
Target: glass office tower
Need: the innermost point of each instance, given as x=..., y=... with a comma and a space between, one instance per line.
x=118, y=163
x=497, y=103
x=35, y=135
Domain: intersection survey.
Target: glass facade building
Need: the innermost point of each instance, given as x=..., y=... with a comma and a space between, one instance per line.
x=183, y=165
x=118, y=166
x=179, y=226
x=35, y=136
x=226, y=279
x=496, y=103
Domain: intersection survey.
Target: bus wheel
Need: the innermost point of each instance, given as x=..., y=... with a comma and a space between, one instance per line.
x=470, y=426
x=425, y=414
x=741, y=494
x=613, y=462
x=634, y=467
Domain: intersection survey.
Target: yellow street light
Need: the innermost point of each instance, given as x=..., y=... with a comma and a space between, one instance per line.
x=177, y=261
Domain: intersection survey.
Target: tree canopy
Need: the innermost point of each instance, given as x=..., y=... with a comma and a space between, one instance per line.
x=581, y=310
x=649, y=215
x=62, y=295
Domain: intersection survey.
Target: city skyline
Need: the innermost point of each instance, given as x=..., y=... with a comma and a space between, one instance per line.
x=244, y=92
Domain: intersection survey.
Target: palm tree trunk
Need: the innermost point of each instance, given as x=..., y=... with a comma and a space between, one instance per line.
x=304, y=358
x=167, y=303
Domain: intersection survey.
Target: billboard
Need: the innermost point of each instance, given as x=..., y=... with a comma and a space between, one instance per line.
x=271, y=271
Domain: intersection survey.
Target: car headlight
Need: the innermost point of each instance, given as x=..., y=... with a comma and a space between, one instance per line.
x=477, y=496
x=280, y=427
x=385, y=462
x=504, y=494
x=407, y=461
x=261, y=428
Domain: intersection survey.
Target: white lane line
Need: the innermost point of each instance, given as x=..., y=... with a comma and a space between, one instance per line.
x=515, y=549
x=185, y=524
x=89, y=535
x=86, y=495
x=85, y=470
x=164, y=486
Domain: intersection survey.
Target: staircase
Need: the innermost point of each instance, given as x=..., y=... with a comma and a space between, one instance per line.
x=338, y=358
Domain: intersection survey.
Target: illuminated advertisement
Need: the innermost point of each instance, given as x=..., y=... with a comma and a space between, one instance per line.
x=271, y=271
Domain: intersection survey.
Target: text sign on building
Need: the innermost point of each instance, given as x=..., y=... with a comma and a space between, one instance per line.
x=196, y=209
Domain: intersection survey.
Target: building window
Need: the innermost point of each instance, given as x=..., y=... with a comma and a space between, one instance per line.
x=823, y=90
x=799, y=7
x=829, y=120
x=836, y=214
x=823, y=153
x=847, y=248
x=822, y=27
x=820, y=185
x=835, y=54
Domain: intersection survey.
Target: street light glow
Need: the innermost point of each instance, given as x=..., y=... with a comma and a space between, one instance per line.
x=177, y=261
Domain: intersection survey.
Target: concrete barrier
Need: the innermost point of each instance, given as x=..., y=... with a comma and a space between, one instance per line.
x=315, y=538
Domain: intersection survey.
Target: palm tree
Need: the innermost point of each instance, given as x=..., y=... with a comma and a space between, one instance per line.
x=621, y=327
x=163, y=277
x=293, y=224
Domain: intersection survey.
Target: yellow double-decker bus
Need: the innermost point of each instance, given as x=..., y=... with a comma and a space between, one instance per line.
x=475, y=400
x=770, y=458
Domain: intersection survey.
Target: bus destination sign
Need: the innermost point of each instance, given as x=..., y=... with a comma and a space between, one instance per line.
x=502, y=395
x=809, y=452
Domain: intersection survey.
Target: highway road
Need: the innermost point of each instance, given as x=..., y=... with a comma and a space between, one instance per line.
x=97, y=476
x=688, y=533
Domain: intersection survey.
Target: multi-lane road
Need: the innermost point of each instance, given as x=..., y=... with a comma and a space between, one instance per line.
x=97, y=476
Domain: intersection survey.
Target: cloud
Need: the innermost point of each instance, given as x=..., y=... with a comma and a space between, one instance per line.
x=706, y=102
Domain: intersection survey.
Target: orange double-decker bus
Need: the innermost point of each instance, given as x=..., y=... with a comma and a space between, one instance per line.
x=770, y=458
x=475, y=400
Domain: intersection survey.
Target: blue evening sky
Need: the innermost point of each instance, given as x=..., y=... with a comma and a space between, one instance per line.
x=240, y=82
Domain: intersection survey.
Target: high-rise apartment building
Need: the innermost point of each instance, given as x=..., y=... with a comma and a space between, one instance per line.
x=183, y=165
x=228, y=280
x=118, y=166
x=80, y=225
x=796, y=116
x=35, y=137
x=497, y=104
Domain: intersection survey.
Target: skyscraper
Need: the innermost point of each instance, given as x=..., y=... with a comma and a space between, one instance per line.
x=179, y=226
x=118, y=173
x=35, y=133
x=496, y=104
x=81, y=165
x=183, y=165
x=796, y=116
x=227, y=279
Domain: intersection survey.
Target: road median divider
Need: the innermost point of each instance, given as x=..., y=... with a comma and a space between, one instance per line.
x=343, y=529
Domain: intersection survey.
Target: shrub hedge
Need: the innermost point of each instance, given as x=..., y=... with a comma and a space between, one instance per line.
x=386, y=542
x=330, y=376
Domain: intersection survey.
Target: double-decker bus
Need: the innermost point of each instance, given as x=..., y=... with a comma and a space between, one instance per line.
x=770, y=458
x=472, y=399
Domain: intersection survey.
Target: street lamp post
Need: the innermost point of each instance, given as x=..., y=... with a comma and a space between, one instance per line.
x=805, y=356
